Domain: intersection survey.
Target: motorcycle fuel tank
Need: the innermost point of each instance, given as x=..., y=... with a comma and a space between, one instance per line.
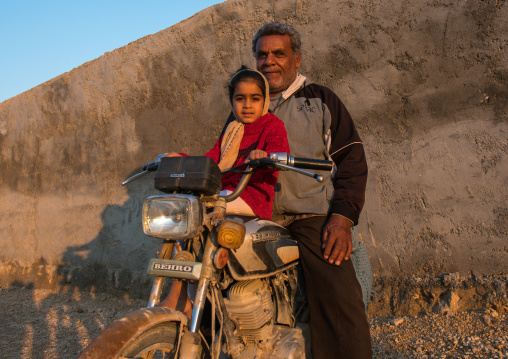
x=267, y=249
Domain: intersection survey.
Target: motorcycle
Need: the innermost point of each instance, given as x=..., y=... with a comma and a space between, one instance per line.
x=243, y=270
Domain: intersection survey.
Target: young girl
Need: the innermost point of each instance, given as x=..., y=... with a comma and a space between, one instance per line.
x=253, y=134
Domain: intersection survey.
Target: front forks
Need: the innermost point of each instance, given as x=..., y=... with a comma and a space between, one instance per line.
x=191, y=342
x=207, y=272
x=158, y=282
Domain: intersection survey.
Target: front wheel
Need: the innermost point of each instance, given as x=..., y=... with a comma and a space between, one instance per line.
x=145, y=333
x=159, y=341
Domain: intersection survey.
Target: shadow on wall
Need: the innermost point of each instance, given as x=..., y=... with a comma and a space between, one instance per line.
x=99, y=282
x=115, y=260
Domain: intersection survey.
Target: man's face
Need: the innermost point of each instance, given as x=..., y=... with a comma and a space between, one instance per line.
x=276, y=60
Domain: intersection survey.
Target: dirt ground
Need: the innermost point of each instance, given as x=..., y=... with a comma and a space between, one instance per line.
x=46, y=324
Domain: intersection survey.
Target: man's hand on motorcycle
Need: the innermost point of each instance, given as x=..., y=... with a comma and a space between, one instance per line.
x=337, y=240
x=256, y=155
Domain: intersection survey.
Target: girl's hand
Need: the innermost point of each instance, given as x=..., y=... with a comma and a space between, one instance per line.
x=172, y=154
x=256, y=155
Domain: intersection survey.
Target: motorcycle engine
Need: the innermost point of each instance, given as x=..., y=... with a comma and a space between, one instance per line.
x=250, y=307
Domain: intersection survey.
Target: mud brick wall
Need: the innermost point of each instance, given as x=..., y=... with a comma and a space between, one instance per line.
x=425, y=81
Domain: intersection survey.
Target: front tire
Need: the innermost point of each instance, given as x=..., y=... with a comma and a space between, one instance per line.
x=159, y=341
x=139, y=334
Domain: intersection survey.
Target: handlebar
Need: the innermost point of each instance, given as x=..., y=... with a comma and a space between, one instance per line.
x=298, y=162
x=147, y=167
x=282, y=162
x=279, y=161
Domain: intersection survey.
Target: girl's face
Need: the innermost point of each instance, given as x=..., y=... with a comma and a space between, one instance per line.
x=248, y=102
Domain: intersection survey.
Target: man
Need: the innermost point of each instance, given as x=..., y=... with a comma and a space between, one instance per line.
x=318, y=215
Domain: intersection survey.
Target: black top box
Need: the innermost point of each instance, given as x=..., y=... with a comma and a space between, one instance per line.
x=196, y=174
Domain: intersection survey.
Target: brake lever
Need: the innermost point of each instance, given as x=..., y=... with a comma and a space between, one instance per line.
x=274, y=162
x=147, y=167
x=282, y=167
x=135, y=177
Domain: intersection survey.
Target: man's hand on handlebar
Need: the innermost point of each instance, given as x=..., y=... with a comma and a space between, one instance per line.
x=337, y=241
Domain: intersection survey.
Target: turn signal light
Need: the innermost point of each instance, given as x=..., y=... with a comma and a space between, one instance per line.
x=231, y=234
x=220, y=258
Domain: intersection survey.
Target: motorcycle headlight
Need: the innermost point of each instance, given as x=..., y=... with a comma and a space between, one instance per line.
x=174, y=216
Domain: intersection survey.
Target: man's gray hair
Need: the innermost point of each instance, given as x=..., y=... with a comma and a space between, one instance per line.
x=278, y=28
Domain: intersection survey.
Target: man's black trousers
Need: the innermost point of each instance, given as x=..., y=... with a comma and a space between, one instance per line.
x=338, y=322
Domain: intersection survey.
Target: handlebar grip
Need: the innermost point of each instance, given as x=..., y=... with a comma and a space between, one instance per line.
x=310, y=164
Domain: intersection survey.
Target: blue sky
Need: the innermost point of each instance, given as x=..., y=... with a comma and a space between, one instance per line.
x=40, y=40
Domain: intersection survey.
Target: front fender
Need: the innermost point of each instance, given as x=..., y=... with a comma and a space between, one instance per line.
x=111, y=342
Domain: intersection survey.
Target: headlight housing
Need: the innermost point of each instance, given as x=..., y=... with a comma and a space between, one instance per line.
x=175, y=216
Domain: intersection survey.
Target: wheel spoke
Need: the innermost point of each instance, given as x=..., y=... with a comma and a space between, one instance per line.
x=156, y=354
